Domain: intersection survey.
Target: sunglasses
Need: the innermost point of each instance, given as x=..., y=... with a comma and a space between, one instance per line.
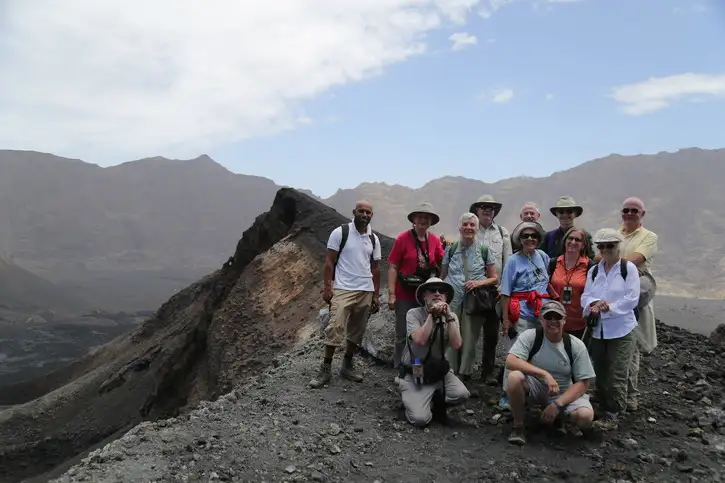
x=565, y=212
x=526, y=236
x=436, y=290
x=553, y=316
x=575, y=239
x=608, y=246
x=627, y=211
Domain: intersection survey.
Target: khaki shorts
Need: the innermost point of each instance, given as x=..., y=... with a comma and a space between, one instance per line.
x=349, y=310
x=538, y=395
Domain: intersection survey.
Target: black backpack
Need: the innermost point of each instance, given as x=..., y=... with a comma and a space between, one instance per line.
x=539, y=340
x=345, y=234
x=623, y=272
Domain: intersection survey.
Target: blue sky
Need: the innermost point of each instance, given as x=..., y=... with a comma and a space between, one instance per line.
x=284, y=90
x=426, y=117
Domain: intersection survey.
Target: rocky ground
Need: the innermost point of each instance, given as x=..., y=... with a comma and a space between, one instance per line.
x=276, y=429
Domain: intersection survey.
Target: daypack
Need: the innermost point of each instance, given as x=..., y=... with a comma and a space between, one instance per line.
x=623, y=272
x=552, y=266
x=539, y=340
x=484, y=251
x=345, y=234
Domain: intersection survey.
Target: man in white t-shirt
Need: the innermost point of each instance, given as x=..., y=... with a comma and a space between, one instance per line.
x=352, y=288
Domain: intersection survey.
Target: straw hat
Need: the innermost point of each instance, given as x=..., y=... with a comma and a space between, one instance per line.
x=607, y=235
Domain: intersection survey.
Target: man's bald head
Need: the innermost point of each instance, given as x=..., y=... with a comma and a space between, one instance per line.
x=362, y=214
x=633, y=202
x=364, y=204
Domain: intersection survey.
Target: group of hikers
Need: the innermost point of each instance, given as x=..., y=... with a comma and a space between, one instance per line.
x=571, y=308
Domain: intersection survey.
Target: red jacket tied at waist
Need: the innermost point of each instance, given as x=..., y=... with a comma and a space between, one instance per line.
x=532, y=298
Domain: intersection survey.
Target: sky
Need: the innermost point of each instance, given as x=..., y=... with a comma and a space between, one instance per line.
x=326, y=94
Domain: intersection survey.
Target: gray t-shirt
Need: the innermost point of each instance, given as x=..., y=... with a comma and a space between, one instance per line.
x=553, y=359
x=415, y=319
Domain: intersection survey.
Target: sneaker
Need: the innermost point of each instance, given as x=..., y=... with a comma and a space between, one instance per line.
x=608, y=422
x=323, y=376
x=517, y=436
x=503, y=403
x=348, y=372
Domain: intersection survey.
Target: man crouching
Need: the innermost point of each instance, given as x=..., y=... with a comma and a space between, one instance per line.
x=428, y=380
x=549, y=368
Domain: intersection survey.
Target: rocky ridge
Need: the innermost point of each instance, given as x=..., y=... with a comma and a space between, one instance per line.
x=205, y=340
x=273, y=428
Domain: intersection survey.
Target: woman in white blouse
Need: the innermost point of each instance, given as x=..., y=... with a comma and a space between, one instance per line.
x=611, y=294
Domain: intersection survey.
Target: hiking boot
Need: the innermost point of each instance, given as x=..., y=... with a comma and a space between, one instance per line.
x=468, y=382
x=517, y=436
x=348, y=371
x=632, y=405
x=608, y=422
x=323, y=376
x=490, y=380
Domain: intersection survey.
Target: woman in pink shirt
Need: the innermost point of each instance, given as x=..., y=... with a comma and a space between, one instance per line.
x=415, y=257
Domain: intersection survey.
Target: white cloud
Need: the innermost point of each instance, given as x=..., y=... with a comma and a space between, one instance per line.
x=504, y=95
x=549, y=97
x=461, y=40
x=660, y=92
x=490, y=7
x=114, y=80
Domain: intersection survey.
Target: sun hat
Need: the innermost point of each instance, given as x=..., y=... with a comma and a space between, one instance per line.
x=567, y=202
x=425, y=208
x=433, y=282
x=607, y=235
x=486, y=200
x=516, y=235
x=553, y=306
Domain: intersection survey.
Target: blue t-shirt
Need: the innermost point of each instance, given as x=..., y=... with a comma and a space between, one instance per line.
x=524, y=274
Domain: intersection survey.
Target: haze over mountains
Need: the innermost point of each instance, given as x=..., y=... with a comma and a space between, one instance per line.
x=128, y=236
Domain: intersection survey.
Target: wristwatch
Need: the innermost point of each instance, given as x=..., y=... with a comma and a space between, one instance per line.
x=558, y=405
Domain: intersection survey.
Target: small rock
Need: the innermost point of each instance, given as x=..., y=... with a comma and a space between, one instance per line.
x=335, y=429
x=684, y=468
x=470, y=412
x=628, y=443
x=317, y=476
x=290, y=469
x=335, y=449
x=651, y=420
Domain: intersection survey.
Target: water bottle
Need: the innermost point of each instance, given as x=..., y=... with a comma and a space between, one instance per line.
x=418, y=371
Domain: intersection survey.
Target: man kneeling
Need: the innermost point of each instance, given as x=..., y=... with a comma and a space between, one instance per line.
x=547, y=367
x=431, y=329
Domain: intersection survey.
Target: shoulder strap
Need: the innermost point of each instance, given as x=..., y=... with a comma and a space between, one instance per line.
x=372, y=240
x=345, y=233
x=552, y=267
x=570, y=354
x=452, y=249
x=595, y=272
x=623, y=268
x=537, y=343
x=484, y=253
x=419, y=246
x=590, y=264
x=500, y=230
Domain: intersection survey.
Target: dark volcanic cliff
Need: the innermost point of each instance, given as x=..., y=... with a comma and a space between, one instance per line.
x=206, y=338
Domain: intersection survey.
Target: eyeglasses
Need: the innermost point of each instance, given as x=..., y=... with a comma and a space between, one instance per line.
x=608, y=246
x=553, y=317
x=627, y=211
x=575, y=239
x=526, y=236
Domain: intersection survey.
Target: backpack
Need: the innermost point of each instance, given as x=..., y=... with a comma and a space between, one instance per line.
x=484, y=251
x=539, y=340
x=623, y=273
x=552, y=266
x=345, y=234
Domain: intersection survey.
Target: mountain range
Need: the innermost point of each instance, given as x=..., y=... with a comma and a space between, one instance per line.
x=129, y=236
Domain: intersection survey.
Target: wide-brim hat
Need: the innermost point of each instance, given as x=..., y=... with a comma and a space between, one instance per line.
x=607, y=235
x=434, y=282
x=486, y=200
x=567, y=202
x=516, y=234
x=425, y=208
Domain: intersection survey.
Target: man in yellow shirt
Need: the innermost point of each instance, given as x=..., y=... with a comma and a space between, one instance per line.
x=639, y=246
